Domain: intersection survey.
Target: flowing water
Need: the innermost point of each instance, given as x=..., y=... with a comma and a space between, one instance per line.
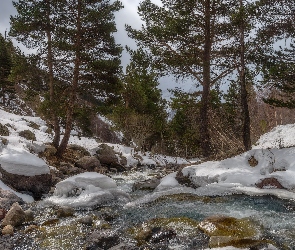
x=276, y=216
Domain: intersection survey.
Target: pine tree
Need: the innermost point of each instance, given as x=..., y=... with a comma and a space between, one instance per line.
x=6, y=86
x=276, y=58
x=185, y=39
x=80, y=54
x=141, y=115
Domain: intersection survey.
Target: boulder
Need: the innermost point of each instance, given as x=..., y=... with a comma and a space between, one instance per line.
x=228, y=231
x=86, y=220
x=88, y=163
x=107, y=157
x=15, y=216
x=269, y=183
x=104, y=239
x=146, y=185
x=65, y=212
x=8, y=230
x=35, y=184
x=184, y=180
x=29, y=215
x=7, y=198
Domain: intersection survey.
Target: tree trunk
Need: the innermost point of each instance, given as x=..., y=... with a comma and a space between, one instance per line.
x=204, y=124
x=73, y=93
x=244, y=94
x=53, y=115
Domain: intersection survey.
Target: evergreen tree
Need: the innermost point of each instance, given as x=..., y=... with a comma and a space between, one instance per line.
x=276, y=33
x=141, y=115
x=6, y=86
x=185, y=39
x=74, y=38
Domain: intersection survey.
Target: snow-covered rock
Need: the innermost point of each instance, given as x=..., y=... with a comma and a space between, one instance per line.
x=86, y=190
x=21, y=162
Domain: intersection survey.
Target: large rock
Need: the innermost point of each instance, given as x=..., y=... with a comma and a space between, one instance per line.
x=107, y=156
x=269, y=183
x=146, y=185
x=102, y=240
x=36, y=184
x=89, y=163
x=7, y=198
x=15, y=216
x=229, y=231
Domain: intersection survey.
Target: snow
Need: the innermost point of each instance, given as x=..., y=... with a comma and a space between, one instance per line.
x=167, y=182
x=274, y=151
x=86, y=190
x=24, y=197
x=22, y=162
x=235, y=175
x=19, y=156
x=281, y=136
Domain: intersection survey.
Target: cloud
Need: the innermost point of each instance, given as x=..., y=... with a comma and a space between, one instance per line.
x=6, y=10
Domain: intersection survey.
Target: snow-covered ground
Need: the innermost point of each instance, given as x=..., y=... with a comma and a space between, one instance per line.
x=274, y=152
x=19, y=155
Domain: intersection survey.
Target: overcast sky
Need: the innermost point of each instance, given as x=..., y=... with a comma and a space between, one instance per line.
x=128, y=15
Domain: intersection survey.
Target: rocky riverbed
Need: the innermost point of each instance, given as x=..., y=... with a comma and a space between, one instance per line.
x=173, y=221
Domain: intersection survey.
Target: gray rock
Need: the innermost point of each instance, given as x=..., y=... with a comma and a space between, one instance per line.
x=104, y=239
x=88, y=163
x=36, y=185
x=29, y=215
x=7, y=198
x=65, y=212
x=87, y=220
x=107, y=155
x=146, y=185
x=15, y=216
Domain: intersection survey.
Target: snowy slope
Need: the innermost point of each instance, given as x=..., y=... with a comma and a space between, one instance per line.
x=19, y=150
x=236, y=176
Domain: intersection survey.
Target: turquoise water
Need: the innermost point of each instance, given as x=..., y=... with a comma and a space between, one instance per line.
x=275, y=215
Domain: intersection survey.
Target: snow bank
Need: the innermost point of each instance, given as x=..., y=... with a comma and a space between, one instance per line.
x=234, y=176
x=86, y=190
x=272, y=163
x=281, y=136
x=21, y=162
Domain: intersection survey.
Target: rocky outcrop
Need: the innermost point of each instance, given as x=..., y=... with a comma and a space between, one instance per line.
x=15, y=216
x=36, y=184
x=7, y=198
x=89, y=163
x=107, y=157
